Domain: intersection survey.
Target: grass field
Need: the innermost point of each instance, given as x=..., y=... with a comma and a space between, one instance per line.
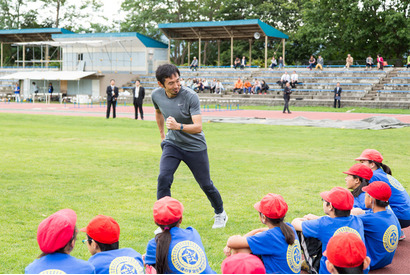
x=98, y=166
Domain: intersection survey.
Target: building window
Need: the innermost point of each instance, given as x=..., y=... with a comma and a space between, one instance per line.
x=80, y=57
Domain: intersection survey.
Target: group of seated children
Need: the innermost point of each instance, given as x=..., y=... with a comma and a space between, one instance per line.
x=240, y=63
x=200, y=85
x=360, y=231
x=258, y=87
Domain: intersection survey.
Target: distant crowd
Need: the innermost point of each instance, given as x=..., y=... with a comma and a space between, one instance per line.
x=359, y=231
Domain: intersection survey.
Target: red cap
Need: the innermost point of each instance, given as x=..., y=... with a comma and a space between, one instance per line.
x=103, y=229
x=378, y=190
x=272, y=206
x=360, y=170
x=243, y=263
x=56, y=231
x=339, y=197
x=371, y=154
x=345, y=250
x=167, y=211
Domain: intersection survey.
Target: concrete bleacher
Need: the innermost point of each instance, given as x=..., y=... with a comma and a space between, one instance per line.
x=398, y=89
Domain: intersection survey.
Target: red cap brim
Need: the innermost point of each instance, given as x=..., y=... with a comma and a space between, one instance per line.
x=257, y=206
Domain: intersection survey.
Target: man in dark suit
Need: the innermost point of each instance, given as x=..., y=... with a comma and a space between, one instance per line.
x=112, y=94
x=286, y=96
x=337, y=92
x=138, y=94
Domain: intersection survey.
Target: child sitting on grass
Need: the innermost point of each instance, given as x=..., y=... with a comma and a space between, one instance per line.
x=277, y=244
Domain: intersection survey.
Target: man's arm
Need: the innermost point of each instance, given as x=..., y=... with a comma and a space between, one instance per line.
x=160, y=122
x=194, y=128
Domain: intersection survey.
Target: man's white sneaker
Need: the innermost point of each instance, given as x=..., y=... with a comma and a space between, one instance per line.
x=220, y=220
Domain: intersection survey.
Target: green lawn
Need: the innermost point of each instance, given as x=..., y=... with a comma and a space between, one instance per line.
x=98, y=166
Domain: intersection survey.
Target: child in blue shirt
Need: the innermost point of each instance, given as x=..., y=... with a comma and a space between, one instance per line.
x=278, y=244
x=358, y=176
x=400, y=199
x=103, y=234
x=56, y=236
x=337, y=204
x=381, y=228
x=175, y=250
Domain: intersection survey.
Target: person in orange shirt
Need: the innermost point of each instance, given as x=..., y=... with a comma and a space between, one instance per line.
x=238, y=86
x=247, y=87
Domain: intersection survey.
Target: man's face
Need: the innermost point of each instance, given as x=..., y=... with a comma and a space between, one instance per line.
x=112, y=82
x=137, y=83
x=172, y=85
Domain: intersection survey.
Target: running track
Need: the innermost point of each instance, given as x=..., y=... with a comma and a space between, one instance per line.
x=149, y=112
x=401, y=263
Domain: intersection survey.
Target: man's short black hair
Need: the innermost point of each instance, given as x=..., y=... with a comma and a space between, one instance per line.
x=338, y=212
x=166, y=71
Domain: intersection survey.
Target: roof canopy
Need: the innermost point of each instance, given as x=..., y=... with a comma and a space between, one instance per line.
x=220, y=30
x=29, y=35
x=48, y=75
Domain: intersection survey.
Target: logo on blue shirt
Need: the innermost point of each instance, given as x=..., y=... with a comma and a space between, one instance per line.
x=188, y=257
x=395, y=183
x=52, y=271
x=125, y=265
x=294, y=256
x=347, y=229
x=391, y=238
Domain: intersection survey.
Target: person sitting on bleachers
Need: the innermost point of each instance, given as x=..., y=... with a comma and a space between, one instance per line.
x=294, y=79
x=273, y=63
x=194, y=64
x=312, y=62
x=189, y=83
x=265, y=87
x=247, y=87
x=320, y=63
x=182, y=81
x=243, y=63
x=199, y=87
x=369, y=62
x=205, y=83
x=380, y=62
x=349, y=61
x=219, y=87
x=194, y=83
x=256, y=86
x=237, y=63
x=238, y=86
x=284, y=79
x=408, y=61
x=280, y=63
x=213, y=86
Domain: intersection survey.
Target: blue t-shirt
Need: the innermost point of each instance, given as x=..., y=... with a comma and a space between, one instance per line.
x=182, y=107
x=326, y=227
x=278, y=257
x=399, y=200
x=118, y=261
x=381, y=231
x=17, y=90
x=59, y=263
x=186, y=253
x=359, y=202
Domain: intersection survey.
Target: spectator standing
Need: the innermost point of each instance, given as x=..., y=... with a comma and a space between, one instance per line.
x=17, y=92
x=280, y=62
x=194, y=64
x=369, y=62
x=247, y=87
x=294, y=79
x=103, y=235
x=138, y=94
x=284, y=79
x=243, y=62
x=349, y=61
x=273, y=63
x=56, y=237
x=312, y=62
x=35, y=90
x=286, y=96
x=112, y=95
x=320, y=63
x=338, y=92
x=219, y=87
x=380, y=62
x=238, y=86
x=50, y=90
x=265, y=87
